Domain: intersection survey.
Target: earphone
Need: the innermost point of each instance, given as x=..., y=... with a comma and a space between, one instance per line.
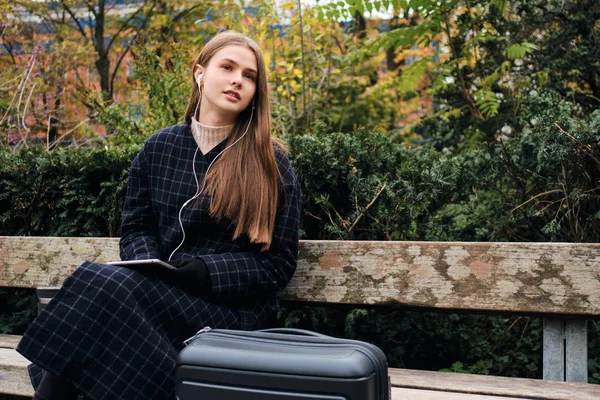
x=198, y=190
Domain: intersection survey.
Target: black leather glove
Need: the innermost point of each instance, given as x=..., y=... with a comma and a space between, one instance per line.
x=192, y=275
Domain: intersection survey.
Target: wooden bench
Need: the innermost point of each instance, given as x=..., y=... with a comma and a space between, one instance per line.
x=559, y=281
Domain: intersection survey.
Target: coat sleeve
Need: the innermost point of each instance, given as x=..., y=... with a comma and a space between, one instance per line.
x=139, y=226
x=244, y=274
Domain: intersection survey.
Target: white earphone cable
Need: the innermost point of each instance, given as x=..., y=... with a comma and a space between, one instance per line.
x=198, y=190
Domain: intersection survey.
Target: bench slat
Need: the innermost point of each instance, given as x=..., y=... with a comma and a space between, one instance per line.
x=9, y=341
x=416, y=394
x=13, y=373
x=407, y=384
x=545, y=278
x=493, y=385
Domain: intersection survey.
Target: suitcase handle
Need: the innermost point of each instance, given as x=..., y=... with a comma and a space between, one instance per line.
x=292, y=331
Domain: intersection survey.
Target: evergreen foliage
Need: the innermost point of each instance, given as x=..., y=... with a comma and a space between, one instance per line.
x=18, y=307
x=76, y=192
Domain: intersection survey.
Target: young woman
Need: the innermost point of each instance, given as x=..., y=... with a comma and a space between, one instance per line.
x=215, y=197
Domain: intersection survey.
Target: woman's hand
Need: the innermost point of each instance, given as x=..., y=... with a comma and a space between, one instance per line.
x=192, y=275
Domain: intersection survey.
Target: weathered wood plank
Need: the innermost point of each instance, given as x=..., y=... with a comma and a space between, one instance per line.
x=46, y=261
x=417, y=394
x=13, y=373
x=493, y=385
x=9, y=341
x=555, y=278
x=524, y=277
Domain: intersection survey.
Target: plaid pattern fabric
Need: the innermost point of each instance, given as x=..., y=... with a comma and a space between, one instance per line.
x=162, y=180
x=116, y=333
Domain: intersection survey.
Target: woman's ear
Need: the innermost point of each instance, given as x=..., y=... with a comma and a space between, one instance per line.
x=198, y=73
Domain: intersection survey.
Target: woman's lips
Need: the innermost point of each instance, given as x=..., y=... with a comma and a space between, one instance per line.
x=232, y=96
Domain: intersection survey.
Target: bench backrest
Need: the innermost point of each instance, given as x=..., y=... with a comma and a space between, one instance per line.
x=533, y=278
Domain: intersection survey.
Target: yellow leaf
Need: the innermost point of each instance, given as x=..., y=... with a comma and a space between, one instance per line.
x=288, y=5
x=267, y=57
x=348, y=99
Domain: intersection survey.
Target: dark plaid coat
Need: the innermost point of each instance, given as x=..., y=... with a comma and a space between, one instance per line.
x=114, y=332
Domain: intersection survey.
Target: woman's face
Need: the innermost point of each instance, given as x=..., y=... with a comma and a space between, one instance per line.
x=228, y=85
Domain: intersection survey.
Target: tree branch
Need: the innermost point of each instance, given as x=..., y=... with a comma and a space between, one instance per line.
x=114, y=74
x=587, y=148
x=123, y=27
x=74, y=18
x=183, y=13
x=57, y=141
x=535, y=197
x=367, y=208
x=314, y=216
x=90, y=6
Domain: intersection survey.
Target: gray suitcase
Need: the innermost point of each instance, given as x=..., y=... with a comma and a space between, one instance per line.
x=280, y=364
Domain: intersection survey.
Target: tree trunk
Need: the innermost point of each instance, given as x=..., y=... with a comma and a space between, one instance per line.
x=53, y=122
x=103, y=62
x=359, y=25
x=103, y=65
x=53, y=131
x=390, y=53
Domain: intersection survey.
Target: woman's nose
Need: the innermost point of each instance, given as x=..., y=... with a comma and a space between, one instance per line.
x=237, y=80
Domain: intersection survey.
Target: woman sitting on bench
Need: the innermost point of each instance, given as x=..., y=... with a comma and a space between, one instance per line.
x=216, y=198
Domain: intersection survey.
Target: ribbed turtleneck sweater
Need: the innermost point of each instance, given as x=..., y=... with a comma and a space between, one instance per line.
x=207, y=137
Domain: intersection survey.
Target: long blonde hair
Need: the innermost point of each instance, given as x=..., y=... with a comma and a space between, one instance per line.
x=243, y=182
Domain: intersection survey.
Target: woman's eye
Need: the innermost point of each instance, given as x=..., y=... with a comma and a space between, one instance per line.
x=227, y=67
x=251, y=77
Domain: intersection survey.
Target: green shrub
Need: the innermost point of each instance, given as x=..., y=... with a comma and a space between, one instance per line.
x=75, y=192
x=364, y=186
x=18, y=307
